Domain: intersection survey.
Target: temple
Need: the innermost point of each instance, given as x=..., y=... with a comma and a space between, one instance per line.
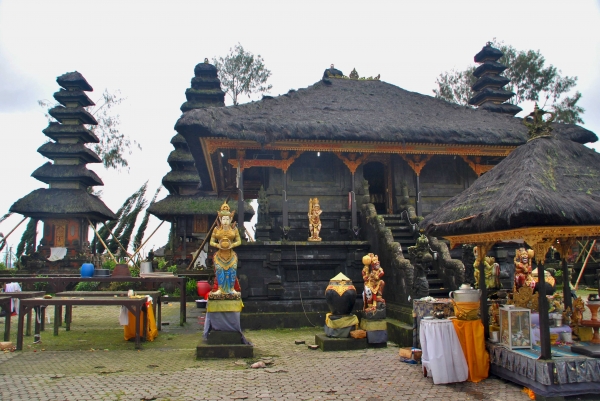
x=376, y=156
x=66, y=207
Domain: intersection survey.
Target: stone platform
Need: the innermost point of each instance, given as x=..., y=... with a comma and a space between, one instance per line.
x=339, y=344
x=224, y=344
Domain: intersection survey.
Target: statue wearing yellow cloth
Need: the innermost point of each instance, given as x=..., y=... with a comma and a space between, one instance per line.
x=225, y=237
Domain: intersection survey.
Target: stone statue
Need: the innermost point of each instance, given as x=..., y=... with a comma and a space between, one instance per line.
x=523, y=259
x=492, y=271
x=225, y=237
x=263, y=208
x=371, y=274
x=421, y=259
x=314, y=219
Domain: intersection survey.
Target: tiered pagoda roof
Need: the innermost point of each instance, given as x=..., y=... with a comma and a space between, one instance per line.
x=67, y=175
x=489, y=92
x=206, y=89
x=183, y=181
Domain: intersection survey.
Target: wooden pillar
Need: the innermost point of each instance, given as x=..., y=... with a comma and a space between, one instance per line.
x=541, y=248
x=418, y=186
x=284, y=204
x=353, y=206
x=563, y=246
x=184, y=245
x=240, y=203
x=482, y=250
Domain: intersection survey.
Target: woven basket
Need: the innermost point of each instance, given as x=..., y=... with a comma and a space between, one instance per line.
x=358, y=334
x=466, y=310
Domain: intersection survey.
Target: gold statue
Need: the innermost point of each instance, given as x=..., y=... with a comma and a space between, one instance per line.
x=371, y=274
x=492, y=271
x=314, y=219
x=225, y=237
x=522, y=262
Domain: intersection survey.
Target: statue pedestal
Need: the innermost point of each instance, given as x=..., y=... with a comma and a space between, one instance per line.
x=373, y=322
x=223, y=337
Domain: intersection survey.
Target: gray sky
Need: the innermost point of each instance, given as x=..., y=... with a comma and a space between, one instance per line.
x=148, y=50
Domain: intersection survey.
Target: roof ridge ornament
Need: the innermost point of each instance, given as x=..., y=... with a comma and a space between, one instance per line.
x=353, y=75
x=537, y=126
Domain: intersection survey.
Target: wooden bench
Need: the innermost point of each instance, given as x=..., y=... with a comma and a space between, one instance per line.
x=156, y=305
x=134, y=305
x=5, y=298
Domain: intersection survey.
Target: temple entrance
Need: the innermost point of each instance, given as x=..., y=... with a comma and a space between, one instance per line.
x=374, y=173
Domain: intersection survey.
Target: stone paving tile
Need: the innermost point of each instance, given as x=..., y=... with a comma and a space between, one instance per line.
x=174, y=374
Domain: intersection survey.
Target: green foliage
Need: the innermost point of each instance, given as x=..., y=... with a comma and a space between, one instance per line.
x=132, y=207
x=87, y=286
x=176, y=292
x=27, y=243
x=135, y=270
x=172, y=269
x=530, y=80
x=41, y=285
x=191, y=287
x=3, y=266
x=241, y=72
x=109, y=264
x=139, y=237
x=113, y=144
x=162, y=262
x=162, y=291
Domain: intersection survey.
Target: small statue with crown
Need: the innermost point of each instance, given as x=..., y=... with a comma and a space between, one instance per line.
x=225, y=237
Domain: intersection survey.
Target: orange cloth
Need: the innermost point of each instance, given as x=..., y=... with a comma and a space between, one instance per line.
x=471, y=337
x=152, y=331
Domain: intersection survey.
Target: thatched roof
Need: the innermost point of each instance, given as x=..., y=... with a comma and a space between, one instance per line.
x=546, y=182
x=53, y=150
x=61, y=203
x=72, y=113
x=57, y=131
x=180, y=156
x=360, y=110
x=63, y=172
x=74, y=80
x=178, y=205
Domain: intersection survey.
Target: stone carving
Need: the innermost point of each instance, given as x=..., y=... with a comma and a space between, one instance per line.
x=314, y=219
x=421, y=259
x=225, y=237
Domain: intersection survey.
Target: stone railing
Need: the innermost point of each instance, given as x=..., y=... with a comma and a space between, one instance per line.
x=399, y=272
x=451, y=271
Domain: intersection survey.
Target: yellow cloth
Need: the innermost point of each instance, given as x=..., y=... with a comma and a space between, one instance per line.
x=224, y=305
x=151, y=332
x=471, y=337
x=346, y=321
x=466, y=310
x=373, y=325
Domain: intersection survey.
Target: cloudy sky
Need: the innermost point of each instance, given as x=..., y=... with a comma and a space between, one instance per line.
x=148, y=50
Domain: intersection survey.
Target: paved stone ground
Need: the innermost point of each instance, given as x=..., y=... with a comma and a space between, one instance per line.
x=171, y=372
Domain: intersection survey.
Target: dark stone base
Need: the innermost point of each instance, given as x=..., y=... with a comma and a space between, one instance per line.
x=400, y=333
x=224, y=337
x=339, y=344
x=204, y=350
x=377, y=314
x=279, y=320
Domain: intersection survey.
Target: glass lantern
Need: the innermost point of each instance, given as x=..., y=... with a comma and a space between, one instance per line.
x=515, y=327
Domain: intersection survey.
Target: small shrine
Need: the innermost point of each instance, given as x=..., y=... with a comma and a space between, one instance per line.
x=66, y=207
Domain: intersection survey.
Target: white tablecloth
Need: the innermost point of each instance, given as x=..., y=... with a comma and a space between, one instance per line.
x=443, y=357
